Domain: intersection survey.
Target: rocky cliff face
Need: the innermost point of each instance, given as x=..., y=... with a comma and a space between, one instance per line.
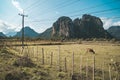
x=63, y=27
x=86, y=27
x=89, y=27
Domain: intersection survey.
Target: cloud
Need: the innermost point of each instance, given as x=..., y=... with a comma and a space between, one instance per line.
x=7, y=28
x=107, y=22
x=116, y=23
x=17, y=5
x=57, y=12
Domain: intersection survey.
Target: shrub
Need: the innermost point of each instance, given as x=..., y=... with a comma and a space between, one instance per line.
x=24, y=61
x=5, y=53
x=76, y=76
x=14, y=75
x=61, y=75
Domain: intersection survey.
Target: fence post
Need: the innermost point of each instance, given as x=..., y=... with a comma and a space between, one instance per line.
x=87, y=69
x=46, y=57
x=103, y=69
x=33, y=52
x=109, y=72
x=59, y=68
x=28, y=52
x=37, y=53
x=93, y=67
x=73, y=63
x=51, y=62
x=65, y=64
x=81, y=66
x=42, y=56
x=22, y=52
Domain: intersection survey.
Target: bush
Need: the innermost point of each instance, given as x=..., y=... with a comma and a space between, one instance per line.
x=79, y=41
x=76, y=76
x=24, y=61
x=61, y=75
x=42, y=73
x=5, y=53
x=14, y=75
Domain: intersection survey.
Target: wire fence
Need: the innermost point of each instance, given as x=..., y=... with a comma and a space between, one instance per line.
x=78, y=67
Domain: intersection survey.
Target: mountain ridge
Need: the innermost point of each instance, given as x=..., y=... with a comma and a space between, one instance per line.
x=2, y=35
x=28, y=33
x=86, y=27
x=64, y=27
x=114, y=31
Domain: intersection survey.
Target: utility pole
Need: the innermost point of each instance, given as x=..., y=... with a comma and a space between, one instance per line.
x=23, y=28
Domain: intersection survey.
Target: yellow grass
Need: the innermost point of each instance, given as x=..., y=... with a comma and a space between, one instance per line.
x=104, y=52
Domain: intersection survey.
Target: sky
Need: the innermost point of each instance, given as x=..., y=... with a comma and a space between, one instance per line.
x=43, y=13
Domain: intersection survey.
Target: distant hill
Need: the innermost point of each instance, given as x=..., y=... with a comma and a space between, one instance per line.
x=11, y=34
x=46, y=34
x=86, y=27
x=28, y=32
x=2, y=35
x=114, y=31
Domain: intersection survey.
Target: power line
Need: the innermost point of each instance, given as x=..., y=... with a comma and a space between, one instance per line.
x=63, y=4
x=95, y=12
x=36, y=5
x=33, y=4
x=84, y=8
x=95, y=6
x=51, y=20
x=103, y=11
x=107, y=10
x=117, y=17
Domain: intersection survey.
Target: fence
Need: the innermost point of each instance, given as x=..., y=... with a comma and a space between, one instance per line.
x=78, y=66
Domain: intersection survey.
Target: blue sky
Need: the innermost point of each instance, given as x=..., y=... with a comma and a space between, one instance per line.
x=42, y=13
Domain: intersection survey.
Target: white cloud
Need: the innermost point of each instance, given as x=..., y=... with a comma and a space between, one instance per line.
x=116, y=23
x=107, y=22
x=17, y=5
x=7, y=28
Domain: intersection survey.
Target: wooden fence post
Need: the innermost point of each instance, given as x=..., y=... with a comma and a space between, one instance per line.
x=25, y=54
x=37, y=53
x=93, y=67
x=103, y=70
x=81, y=66
x=109, y=72
x=51, y=62
x=65, y=64
x=33, y=52
x=73, y=63
x=87, y=69
x=46, y=57
x=22, y=52
x=28, y=52
x=42, y=56
x=59, y=68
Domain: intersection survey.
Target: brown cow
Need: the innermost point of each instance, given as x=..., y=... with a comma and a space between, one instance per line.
x=89, y=50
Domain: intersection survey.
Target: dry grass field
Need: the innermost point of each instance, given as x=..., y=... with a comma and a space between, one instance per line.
x=62, y=60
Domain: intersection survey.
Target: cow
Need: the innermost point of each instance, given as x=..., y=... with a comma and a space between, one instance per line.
x=89, y=50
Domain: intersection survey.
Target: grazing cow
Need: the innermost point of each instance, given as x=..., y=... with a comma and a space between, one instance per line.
x=89, y=50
